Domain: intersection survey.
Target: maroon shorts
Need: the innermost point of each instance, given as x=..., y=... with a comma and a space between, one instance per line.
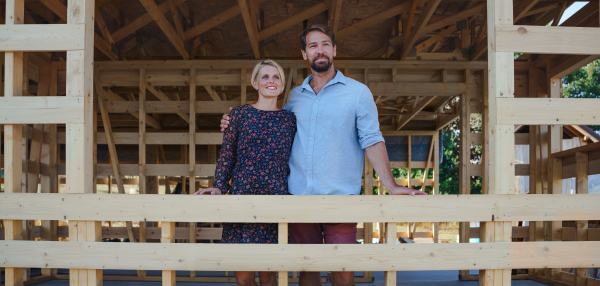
x=319, y=233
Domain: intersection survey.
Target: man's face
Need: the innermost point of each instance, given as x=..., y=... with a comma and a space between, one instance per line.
x=319, y=51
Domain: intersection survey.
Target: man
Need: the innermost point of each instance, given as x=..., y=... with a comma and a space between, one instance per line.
x=337, y=123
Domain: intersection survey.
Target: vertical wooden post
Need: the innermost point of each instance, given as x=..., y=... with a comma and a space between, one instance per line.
x=436, y=182
x=142, y=182
x=390, y=238
x=368, y=226
x=80, y=137
x=581, y=226
x=501, y=138
x=283, y=239
x=168, y=236
x=192, y=154
x=49, y=184
x=13, y=136
x=555, y=168
x=465, y=163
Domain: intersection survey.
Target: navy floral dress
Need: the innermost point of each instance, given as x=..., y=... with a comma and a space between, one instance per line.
x=254, y=161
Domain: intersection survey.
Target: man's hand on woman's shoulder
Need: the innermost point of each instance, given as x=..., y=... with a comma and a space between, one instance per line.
x=208, y=191
x=225, y=121
x=405, y=191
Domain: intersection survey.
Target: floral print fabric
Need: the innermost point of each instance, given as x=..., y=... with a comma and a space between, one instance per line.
x=254, y=160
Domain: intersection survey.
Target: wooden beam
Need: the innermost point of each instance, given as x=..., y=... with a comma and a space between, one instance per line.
x=542, y=40
x=422, y=104
x=374, y=19
x=571, y=64
x=559, y=14
x=140, y=22
x=43, y=109
x=57, y=8
x=212, y=22
x=436, y=38
x=212, y=93
x=176, y=19
x=520, y=10
x=163, y=97
x=251, y=27
x=548, y=111
x=111, y=96
x=417, y=30
x=334, y=15
x=156, y=14
x=142, y=132
x=408, y=88
x=168, y=236
x=42, y=37
x=451, y=20
x=104, y=29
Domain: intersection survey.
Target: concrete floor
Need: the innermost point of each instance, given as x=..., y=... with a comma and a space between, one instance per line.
x=408, y=278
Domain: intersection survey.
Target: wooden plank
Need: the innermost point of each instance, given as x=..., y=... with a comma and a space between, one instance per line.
x=282, y=240
x=454, y=18
x=111, y=96
x=13, y=136
x=290, y=21
x=334, y=15
x=415, y=110
x=437, y=37
x=142, y=131
x=201, y=170
x=250, y=27
x=548, y=111
x=202, y=107
x=542, y=40
x=168, y=236
x=156, y=14
x=159, y=138
x=212, y=22
x=42, y=109
x=581, y=149
x=407, y=88
x=211, y=208
x=42, y=37
x=372, y=20
x=570, y=65
x=419, y=27
x=390, y=276
x=183, y=256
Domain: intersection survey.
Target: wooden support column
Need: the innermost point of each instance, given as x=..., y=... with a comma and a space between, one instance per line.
x=168, y=236
x=283, y=239
x=436, y=182
x=368, y=226
x=13, y=137
x=555, y=169
x=142, y=153
x=501, y=138
x=581, y=226
x=390, y=238
x=192, y=153
x=465, y=166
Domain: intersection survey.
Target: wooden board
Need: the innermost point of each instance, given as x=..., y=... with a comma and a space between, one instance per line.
x=41, y=110
x=294, y=208
x=344, y=257
x=538, y=111
x=542, y=40
x=42, y=37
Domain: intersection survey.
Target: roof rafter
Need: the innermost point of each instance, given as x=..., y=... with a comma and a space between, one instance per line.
x=140, y=22
x=417, y=30
x=251, y=27
x=374, y=19
x=159, y=17
x=293, y=20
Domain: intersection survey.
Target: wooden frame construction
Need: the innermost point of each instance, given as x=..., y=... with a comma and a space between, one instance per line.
x=156, y=120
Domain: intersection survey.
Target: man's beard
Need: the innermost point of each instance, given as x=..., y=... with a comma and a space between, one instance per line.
x=321, y=67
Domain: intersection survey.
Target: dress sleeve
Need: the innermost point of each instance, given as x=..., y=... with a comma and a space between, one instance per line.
x=228, y=155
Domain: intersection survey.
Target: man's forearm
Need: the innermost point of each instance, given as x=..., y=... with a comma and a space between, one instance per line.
x=377, y=154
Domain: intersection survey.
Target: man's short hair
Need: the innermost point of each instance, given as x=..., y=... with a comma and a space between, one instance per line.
x=316, y=27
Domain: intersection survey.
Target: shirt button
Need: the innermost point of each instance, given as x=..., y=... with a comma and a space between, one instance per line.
x=309, y=177
x=308, y=157
x=313, y=118
x=315, y=101
x=310, y=138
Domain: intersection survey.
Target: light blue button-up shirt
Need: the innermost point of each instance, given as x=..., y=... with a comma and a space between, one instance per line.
x=334, y=128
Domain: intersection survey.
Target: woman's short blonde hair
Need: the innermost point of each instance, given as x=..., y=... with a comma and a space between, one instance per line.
x=272, y=63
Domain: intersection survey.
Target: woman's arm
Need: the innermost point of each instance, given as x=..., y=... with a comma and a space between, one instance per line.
x=228, y=155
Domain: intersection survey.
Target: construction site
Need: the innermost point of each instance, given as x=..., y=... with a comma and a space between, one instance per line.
x=110, y=113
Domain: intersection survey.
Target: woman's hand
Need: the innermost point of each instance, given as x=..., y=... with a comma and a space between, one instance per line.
x=208, y=191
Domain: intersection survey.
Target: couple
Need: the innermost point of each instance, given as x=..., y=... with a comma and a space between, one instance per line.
x=337, y=122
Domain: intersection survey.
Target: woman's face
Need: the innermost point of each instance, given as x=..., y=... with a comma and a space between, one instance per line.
x=268, y=82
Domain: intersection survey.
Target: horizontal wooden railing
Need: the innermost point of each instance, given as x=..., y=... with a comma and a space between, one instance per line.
x=290, y=209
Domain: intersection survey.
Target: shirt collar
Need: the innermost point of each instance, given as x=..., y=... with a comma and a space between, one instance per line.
x=339, y=78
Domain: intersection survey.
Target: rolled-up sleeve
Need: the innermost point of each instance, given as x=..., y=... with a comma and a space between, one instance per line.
x=367, y=120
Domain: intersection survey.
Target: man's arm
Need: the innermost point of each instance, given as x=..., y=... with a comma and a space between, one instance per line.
x=377, y=154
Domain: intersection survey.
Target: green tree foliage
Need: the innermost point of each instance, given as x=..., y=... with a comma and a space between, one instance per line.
x=584, y=83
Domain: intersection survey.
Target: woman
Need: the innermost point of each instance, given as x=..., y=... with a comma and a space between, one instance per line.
x=254, y=155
